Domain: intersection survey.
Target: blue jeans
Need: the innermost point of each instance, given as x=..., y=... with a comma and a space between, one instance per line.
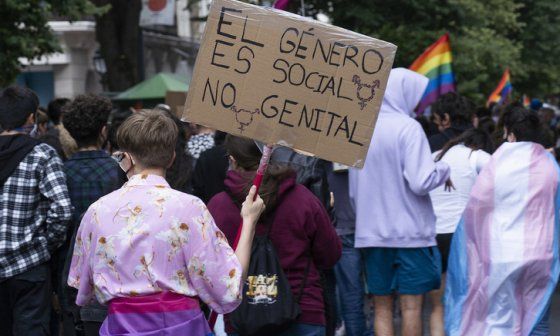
x=543, y=328
x=350, y=283
x=301, y=329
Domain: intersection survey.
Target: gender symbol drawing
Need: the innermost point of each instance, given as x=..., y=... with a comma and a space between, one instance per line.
x=368, y=88
x=244, y=117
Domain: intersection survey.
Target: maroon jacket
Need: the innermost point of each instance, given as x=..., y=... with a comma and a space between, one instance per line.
x=301, y=225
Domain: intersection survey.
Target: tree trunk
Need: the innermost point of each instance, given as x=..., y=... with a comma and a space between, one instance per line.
x=118, y=35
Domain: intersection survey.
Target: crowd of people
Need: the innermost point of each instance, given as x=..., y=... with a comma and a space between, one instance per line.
x=123, y=222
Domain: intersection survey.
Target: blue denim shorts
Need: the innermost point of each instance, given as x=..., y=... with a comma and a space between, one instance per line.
x=411, y=271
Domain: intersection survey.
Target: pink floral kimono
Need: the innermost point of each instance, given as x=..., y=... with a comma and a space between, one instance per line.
x=149, y=252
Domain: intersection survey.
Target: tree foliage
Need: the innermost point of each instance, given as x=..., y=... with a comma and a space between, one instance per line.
x=486, y=36
x=24, y=31
x=540, y=55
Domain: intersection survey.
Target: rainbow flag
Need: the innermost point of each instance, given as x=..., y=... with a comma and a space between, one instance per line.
x=435, y=63
x=526, y=101
x=502, y=93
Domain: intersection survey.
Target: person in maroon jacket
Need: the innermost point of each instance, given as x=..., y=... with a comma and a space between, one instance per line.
x=301, y=227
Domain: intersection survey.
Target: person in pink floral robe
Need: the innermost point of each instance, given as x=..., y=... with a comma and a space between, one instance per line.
x=149, y=251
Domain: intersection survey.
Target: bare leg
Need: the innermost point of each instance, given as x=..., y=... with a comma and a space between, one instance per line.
x=411, y=308
x=383, y=323
x=436, y=318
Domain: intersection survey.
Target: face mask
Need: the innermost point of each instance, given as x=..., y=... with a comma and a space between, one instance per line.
x=30, y=130
x=34, y=133
x=119, y=157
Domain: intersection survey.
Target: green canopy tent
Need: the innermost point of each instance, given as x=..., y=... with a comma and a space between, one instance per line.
x=152, y=91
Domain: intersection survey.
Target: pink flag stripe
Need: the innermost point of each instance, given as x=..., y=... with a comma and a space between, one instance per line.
x=479, y=210
x=281, y=4
x=538, y=239
x=155, y=303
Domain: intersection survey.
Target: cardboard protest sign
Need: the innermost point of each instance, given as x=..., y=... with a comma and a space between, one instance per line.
x=281, y=78
x=176, y=101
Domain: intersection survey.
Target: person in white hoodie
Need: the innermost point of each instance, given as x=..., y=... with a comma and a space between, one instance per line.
x=395, y=221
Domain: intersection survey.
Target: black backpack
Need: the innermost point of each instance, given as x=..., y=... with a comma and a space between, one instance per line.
x=268, y=304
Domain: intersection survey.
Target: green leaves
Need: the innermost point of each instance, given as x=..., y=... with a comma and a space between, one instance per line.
x=540, y=37
x=24, y=30
x=486, y=37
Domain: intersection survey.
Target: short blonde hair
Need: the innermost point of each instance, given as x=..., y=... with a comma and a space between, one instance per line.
x=149, y=135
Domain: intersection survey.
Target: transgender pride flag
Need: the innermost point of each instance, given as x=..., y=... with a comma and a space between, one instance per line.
x=504, y=263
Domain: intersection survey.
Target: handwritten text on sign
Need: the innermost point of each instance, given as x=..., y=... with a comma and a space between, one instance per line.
x=280, y=78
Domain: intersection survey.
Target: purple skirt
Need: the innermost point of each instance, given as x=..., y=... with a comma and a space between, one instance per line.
x=166, y=313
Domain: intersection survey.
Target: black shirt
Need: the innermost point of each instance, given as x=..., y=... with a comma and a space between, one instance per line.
x=439, y=140
x=210, y=173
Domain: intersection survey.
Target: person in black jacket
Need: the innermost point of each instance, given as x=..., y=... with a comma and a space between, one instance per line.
x=210, y=170
x=453, y=114
x=35, y=209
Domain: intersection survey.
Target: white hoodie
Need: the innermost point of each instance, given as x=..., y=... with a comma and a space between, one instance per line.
x=391, y=192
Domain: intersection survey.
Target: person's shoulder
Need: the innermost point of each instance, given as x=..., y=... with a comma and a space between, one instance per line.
x=220, y=196
x=437, y=141
x=112, y=197
x=186, y=197
x=482, y=158
x=436, y=137
x=302, y=197
x=45, y=153
x=190, y=206
x=403, y=124
x=219, y=200
x=483, y=154
x=183, y=200
x=407, y=127
x=107, y=162
x=104, y=204
x=218, y=151
x=44, y=149
x=71, y=167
